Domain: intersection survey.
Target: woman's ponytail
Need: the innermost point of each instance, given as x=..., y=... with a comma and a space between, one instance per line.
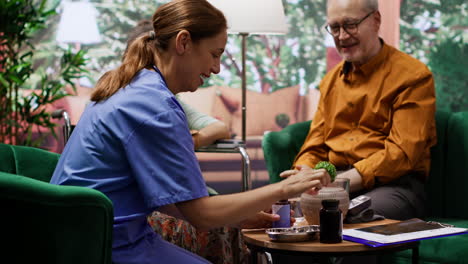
x=140, y=54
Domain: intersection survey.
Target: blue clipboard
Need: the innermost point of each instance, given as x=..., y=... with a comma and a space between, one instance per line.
x=379, y=244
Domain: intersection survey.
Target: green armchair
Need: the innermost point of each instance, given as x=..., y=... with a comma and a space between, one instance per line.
x=46, y=223
x=445, y=188
x=281, y=147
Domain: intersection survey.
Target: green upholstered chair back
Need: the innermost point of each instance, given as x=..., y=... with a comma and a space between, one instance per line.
x=434, y=186
x=280, y=148
x=31, y=162
x=45, y=223
x=456, y=169
x=448, y=180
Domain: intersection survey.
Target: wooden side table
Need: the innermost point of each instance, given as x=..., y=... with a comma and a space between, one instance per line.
x=258, y=241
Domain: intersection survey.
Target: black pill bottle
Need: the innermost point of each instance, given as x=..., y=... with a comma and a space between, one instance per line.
x=331, y=222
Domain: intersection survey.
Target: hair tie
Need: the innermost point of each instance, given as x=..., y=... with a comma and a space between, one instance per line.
x=152, y=35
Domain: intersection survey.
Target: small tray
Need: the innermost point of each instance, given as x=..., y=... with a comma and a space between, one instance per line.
x=293, y=234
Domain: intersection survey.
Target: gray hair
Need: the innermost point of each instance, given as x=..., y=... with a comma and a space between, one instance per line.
x=372, y=5
x=369, y=5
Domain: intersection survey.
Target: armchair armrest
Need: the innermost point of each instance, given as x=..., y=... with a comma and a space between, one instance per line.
x=280, y=148
x=46, y=223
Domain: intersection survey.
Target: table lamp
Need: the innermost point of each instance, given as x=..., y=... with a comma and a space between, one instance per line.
x=78, y=24
x=248, y=17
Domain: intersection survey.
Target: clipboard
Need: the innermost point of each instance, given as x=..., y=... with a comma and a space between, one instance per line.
x=401, y=232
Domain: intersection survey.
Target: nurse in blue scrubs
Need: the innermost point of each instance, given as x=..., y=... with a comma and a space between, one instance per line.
x=132, y=142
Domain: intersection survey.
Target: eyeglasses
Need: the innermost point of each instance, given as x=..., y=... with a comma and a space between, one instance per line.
x=350, y=28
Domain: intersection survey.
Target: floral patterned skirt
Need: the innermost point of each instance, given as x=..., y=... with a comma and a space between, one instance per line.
x=222, y=245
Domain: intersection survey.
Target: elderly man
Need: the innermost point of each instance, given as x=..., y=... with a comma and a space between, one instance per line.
x=375, y=119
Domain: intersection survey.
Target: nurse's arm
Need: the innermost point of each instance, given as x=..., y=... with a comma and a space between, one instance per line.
x=221, y=210
x=171, y=210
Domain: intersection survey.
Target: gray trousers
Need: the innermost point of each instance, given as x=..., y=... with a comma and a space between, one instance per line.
x=401, y=199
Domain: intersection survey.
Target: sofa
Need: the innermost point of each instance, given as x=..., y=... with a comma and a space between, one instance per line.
x=224, y=103
x=46, y=223
x=445, y=187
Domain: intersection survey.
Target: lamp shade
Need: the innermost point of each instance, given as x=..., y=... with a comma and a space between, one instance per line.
x=78, y=24
x=253, y=16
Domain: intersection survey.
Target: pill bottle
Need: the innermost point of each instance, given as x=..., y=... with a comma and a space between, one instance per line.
x=283, y=209
x=331, y=222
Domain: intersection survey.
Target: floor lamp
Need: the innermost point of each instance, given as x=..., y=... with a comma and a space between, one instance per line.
x=250, y=17
x=77, y=26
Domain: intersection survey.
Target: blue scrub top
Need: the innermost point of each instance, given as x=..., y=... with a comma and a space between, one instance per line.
x=136, y=148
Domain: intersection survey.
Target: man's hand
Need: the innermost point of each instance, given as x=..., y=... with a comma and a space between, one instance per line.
x=301, y=176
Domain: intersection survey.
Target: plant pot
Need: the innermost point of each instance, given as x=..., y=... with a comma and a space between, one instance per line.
x=311, y=204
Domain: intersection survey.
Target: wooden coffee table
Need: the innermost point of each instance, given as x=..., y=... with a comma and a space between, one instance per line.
x=258, y=241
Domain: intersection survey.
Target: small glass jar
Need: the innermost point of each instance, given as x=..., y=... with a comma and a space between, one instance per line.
x=331, y=222
x=283, y=209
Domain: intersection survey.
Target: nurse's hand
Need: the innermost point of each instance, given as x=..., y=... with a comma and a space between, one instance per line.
x=263, y=220
x=294, y=171
x=303, y=179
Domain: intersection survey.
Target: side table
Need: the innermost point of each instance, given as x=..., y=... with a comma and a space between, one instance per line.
x=233, y=146
x=258, y=242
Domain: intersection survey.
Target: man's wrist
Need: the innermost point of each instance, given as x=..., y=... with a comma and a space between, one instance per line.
x=355, y=179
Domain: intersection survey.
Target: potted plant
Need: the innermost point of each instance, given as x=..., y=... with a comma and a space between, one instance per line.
x=24, y=113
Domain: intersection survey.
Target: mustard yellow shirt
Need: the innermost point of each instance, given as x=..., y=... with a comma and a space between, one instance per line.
x=378, y=118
